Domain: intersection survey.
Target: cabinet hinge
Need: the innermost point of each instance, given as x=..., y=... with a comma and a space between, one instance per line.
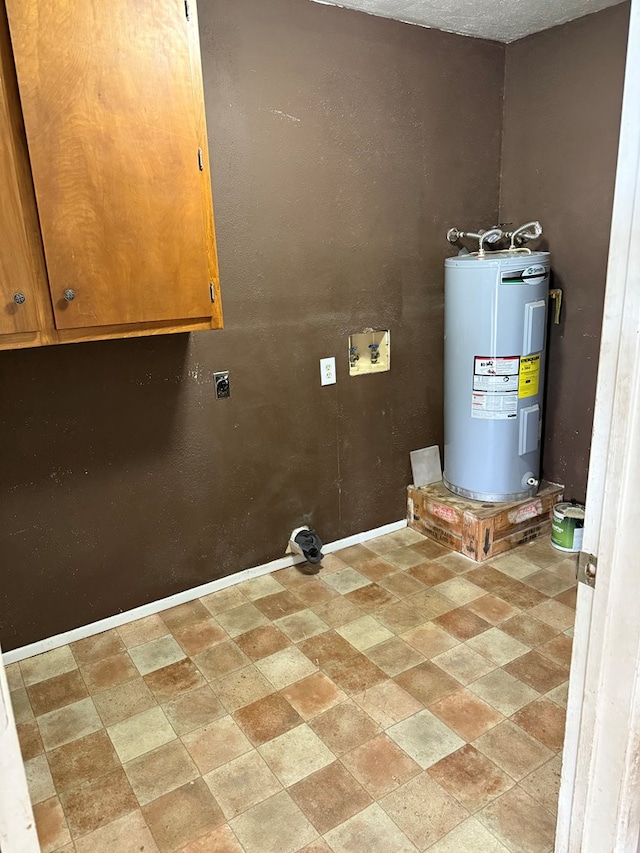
x=212, y=291
x=587, y=568
x=187, y=10
x=200, y=160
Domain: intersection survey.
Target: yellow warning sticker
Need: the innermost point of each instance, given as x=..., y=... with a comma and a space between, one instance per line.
x=529, y=383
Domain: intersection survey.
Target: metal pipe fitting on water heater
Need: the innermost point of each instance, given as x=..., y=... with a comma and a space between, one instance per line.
x=495, y=335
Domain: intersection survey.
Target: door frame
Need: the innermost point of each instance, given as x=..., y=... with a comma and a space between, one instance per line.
x=17, y=825
x=599, y=806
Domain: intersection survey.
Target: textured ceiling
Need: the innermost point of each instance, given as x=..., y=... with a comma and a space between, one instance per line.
x=499, y=20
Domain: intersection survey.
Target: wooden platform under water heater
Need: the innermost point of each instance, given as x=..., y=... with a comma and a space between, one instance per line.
x=479, y=530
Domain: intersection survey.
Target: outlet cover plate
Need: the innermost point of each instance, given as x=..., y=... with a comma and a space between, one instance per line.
x=221, y=384
x=328, y=371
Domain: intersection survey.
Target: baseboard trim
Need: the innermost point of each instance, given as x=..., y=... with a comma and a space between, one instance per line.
x=187, y=595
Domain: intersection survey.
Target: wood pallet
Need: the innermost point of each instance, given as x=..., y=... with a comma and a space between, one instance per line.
x=479, y=530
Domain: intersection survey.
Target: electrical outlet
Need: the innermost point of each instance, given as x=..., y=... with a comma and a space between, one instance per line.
x=221, y=384
x=328, y=371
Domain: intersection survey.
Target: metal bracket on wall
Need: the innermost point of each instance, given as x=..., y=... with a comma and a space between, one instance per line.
x=587, y=568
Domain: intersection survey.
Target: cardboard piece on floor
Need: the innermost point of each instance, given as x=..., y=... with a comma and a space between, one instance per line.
x=426, y=466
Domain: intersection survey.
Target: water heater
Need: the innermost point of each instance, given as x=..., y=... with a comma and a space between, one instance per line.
x=495, y=328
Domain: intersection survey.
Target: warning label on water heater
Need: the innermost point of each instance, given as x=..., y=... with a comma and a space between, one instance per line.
x=529, y=384
x=495, y=387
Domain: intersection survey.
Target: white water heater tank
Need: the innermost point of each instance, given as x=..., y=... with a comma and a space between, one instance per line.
x=494, y=357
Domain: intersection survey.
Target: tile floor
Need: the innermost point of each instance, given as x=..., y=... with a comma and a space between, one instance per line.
x=403, y=699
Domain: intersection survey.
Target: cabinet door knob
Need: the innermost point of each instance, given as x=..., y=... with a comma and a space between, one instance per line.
x=69, y=295
x=19, y=298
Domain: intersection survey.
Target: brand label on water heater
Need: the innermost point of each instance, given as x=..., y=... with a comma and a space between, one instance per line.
x=495, y=387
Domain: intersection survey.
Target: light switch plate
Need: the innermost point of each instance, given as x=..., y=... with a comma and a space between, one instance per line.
x=328, y=371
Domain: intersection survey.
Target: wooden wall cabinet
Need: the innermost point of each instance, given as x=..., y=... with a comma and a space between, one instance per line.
x=108, y=230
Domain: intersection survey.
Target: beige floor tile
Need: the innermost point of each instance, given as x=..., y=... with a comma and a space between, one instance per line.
x=344, y=727
x=528, y=630
x=142, y=630
x=242, y=783
x=278, y=605
x=423, y=810
x=47, y=665
x=497, y=646
x=82, y=760
x=301, y=625
x=224, y=599
x=472, y=778
x=552, y=613
x=559, y=694
x=425, y=738
x=63, y=690
x=466, y=714
x=53, y=831
x=182, y=816
x=241, y=619
x=156, y=654
x=506, y=693
x=286, y=667
x=98, y=802
x=429, y=640
x=21, y=705
x=123, y=701
x=458, y=563
x=548, y=582
x=221, y=660
x=140, y=734
x=400, y=616
x=337, y=611
x=403, y=558
x=380, y=765
x=127, y=833
x=375, y=568
x=371, y=830
x=259, y=587
x=39, y=779
x=296, y=754
x=394, y=656
x=274, y=826
x=387, y=703
x=97, y=647
x=431, y=603
x=14, y=676
x=513, y=750
x=544, y=784
x=463, y=664
x=242, y=688
x=69, y=723
x=459, y=590
x=346, y=580
x=313, y=695
x=364, y=632
x=318, y=846
x=193, y=709
x=470, y=836
x=162, y=770
x=378, y=545
x=329, y=796
x=514, y=566
x=402, y=584
x=216, y=744
x=518, y=821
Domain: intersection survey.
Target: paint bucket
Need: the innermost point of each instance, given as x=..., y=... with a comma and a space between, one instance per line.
x=567, y=527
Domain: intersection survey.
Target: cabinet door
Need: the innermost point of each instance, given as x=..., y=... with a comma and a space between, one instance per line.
x=18, y=310
x=111, y=116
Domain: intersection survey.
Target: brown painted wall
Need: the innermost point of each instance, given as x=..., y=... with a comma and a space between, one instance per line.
x=563, y=97
x=340, y=147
